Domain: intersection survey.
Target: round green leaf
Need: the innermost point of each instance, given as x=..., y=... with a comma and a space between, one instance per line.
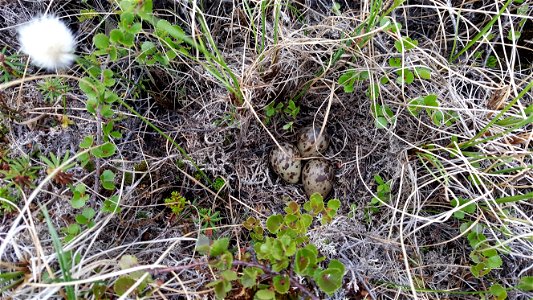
x=281, y=283
x=334, y=204
x=526, y=284
x=81, y=219
x=78, y=201
x=329, y=280
x=73, y=229
x=304, y=259
x=498, y=292
x=104, y=151
x=101, y=41
x=107, y=179
x=274, y=223
x=122, y=284
x=219, y=246
x=494, y=262
x=381, y=122
x=265, y=295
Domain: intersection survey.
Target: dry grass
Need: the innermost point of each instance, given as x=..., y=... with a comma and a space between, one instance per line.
x=411, y=248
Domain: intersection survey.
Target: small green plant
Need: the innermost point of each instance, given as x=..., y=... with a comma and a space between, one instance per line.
x=484, y=256
x=83, y=219
x=288, y=111
x=431, y=106
x=10, y=66
x=383, y=194
x=19, y=172
x=54, y=163
x=53, y=89
x=218, y=184
x=208, y=219
x=7, y=200
x=270, y=266
x=176, y=202
x=383, y=115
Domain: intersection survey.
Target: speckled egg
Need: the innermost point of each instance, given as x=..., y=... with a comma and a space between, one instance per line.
x=286, y=164
x=310, y=143
x=317, y=177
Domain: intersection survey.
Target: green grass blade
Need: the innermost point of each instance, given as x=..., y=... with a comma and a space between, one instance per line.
x=514, y=198
x=483, y=31
x=473, y=141
x=61, y=256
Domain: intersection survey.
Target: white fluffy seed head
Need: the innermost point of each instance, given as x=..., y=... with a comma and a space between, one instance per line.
x=48, y=42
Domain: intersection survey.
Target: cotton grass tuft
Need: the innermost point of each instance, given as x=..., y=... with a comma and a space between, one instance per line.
x=48, y=42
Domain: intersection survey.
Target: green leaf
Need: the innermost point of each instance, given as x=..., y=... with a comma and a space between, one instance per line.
x=304, y=259
x=249, y=277
x=329, y=280
x=395, y=62
x=494, y=262
x=101, y=41
x=315, y=204
x=281, y=283
x=381, y=123
x=78, y=201
x=347, y=80
x=513, y=35
x=73, y=229
x=280, y=265
x=336, y=264
x=274, y=223
x=422, y=72
x=123, y=284
x=111, y=205
x=479, y=270
x=91, y=87
x=498, y=291
x=115, y=36
x=405, y=76
x=414, y=106
x=306, y=220
x=108, y=79
x=265, y=295
x=292, y=208
x=290, y=219
x=405, y=44
x=334, y=204
x=219, y=246
x=373, y=91
x=431, y=100
x=87, y=142
x=91, y=105
x=525, y=284
x=107, y=179
x=81, y=219
x=127, y=18
x=88, y=212
x=250, y=223
x=128, y=39
x=106, y=150
x=174, y=31
x=84, y=159
x=229, y=275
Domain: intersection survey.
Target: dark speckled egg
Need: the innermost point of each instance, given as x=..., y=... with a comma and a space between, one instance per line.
x=311, y=143
x=286, y=162
x=317, y=177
